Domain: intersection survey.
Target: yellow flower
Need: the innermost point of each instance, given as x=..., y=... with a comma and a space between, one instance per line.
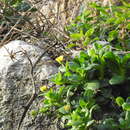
x=59, y=59
x=67, y=107
x=43, y=88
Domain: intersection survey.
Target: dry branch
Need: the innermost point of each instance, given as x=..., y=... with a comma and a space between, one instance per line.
x=34, y=94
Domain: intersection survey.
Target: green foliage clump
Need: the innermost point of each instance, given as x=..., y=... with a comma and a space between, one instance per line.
x=93, y=90
x=111, y=24
x=89, y=87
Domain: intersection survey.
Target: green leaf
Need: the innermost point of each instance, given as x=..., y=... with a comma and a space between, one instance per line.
x=126, y=106
x=86, y=41
x=82, y=103
x=91, y=66
x=66, y=117
x=83, y=54
x=128, y=26
x=93, y=85
x=89, y=123
x=89, y=94
x=76, y=118
x=128, y=100
x=110, y=20
x=127, y=119
x=74, y=78
x=70, y=92
x=112, y=35
x=71, y=45
x=109, y=55
x=94, y=107
x=89, y=32
x=119, y=101
x=116, y=79
x=105, y=49
x=52, y=96
x=97, y=46
x=126, y=58
x=62, y=110
x=62, y=68
x=119, y=19
x=58, y=79
x=76, y=36
x=73, y=66
x=77, y=123
x=91, y=52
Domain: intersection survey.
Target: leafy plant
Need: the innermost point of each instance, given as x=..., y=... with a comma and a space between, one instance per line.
x=91, y=89
x=124, y=120
x=89, y=84
x=98, y=23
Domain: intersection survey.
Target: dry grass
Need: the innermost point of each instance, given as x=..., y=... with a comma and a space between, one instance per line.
x=46, y=24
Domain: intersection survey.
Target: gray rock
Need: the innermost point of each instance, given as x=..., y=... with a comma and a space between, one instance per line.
x=15, y=82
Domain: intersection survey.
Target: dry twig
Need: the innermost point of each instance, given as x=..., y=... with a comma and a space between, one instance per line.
x=19, y=20
x=34, y=94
